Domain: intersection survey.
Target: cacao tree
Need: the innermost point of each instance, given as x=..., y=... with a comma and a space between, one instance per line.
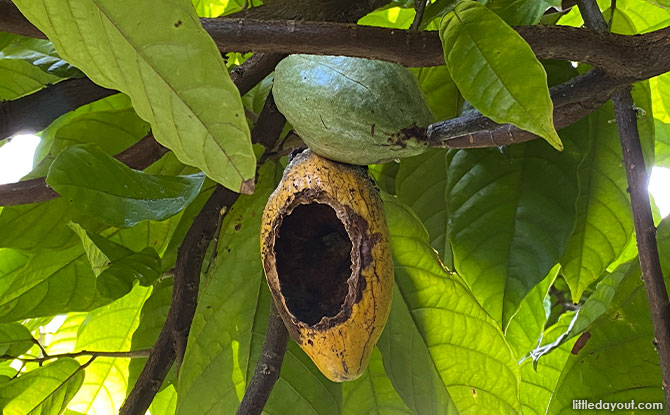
x=528, y=262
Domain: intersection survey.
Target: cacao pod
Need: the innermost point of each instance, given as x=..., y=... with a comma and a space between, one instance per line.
x=327, y=258
x=353, y=110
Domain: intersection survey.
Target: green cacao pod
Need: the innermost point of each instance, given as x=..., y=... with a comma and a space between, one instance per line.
x=353, y=110
x=327, y=258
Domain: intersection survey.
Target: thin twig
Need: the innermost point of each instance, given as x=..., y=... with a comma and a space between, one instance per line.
x=645, y=231
x=129, y=354
x=419, y=8
x=268, y=367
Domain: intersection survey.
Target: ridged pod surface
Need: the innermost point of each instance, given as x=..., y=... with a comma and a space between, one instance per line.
x=327, y=258
x=353, y=110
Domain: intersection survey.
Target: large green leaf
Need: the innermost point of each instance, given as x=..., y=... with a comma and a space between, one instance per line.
x=108, y=328
x=421, y=184
x=116, y=267
x=111, y=124
x=55, y=282
x=38, y=52
x=165, y=402
x=496, y=70
x=372, y=393
x=519, y=12
x=37, y=226
x=19, y=78
x=441, y=93
x=170, y=68
x=229, y=327
x=510, y=216
x=102, y=186
x=50, y=283
x=526, y=327
x=43, y=391
x=464, y=343
x=604, y=222
x=15, y=339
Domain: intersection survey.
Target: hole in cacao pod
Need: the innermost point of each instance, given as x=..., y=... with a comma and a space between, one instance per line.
x=313, y=253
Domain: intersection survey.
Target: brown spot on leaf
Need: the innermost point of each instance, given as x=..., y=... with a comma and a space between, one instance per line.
x=580, y=343
x=238, y=227
x=178, y=23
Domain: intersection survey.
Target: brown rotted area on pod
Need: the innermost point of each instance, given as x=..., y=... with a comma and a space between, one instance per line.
x=313, y=253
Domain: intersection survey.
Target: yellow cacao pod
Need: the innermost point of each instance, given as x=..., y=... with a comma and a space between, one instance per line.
x=327, y=258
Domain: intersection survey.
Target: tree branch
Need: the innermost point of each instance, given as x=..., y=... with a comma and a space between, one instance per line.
x=268, y=367
x=139, y=156
x=129, y=354
x=645, y=231
x=171, y=342
x=572, y=101
x=36, y=111
x=620, y=56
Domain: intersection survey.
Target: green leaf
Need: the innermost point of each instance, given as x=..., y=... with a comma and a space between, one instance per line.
x=604, y=223
x=621, y=334
x=165, y=402
x=384, y=175
x=152, y=318
x=526, y=327
x=539, y=382
x=409, y=364
x=37, y=226
x=15, y=339
x=102, y=186
x=519, y=12
x=510, y=217
x=441, y=92
x=466, y=345
x=229, y=327
x=112, y=125
x=117, y=267
x=421, y=184
x=609, y=293
x=216, y=8
x=38, y=52
x=391, y=16
x=51, y=283
x=19, y=78
x=43, y=391
x=372, y=393
x=108, y=328
x=496, y=70
x=171, y=69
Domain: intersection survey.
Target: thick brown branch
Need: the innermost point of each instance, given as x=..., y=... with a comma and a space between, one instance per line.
x=572, y=100
x=36, y=111
x=645, y=231
x=635, y=57
x=268, y=367
x=139, y=156
x=171, y=342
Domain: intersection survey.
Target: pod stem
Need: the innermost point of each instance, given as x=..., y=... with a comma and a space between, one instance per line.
x=268, y=366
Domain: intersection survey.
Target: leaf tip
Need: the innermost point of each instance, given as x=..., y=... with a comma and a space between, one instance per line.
x=248, y=186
